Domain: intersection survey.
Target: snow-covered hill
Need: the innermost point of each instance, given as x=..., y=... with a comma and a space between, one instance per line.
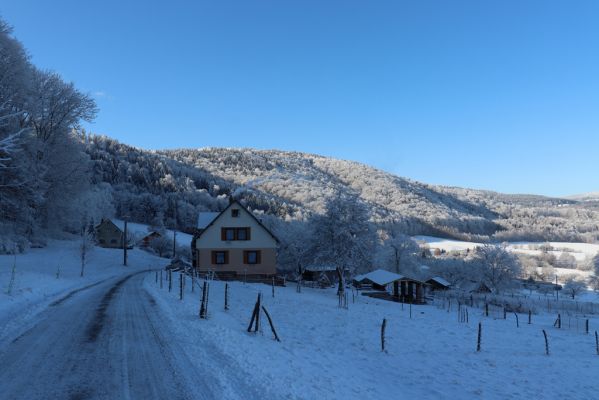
x=174, y=185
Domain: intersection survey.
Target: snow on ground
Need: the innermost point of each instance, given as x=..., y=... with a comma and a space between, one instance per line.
x=36, y=284
x=331, y=353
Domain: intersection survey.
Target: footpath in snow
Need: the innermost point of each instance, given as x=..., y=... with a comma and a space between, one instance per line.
x=331, y=353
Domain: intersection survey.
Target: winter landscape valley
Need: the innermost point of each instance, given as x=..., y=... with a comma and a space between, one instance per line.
x=200, y=229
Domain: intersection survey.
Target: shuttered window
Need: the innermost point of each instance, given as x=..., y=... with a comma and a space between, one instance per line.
x=252, y=257
x=220, y=257
x=230, y=234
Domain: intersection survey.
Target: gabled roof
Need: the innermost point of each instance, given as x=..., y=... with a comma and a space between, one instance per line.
x=242, y=208
x=205, y=218
x=380, y=277
x=107, y=221
x=440, y=281
x=320, y=268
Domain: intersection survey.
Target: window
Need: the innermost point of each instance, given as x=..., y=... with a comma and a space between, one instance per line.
x=229, y=234
x=235, y=213
x=251, y=257
x=220, y=257
x=243, y=233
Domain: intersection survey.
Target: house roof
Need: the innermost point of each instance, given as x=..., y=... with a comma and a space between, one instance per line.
x=205, y=218
x=108, y=221
x=380, y=277
x=318, y=268
x=244, y=209
x=440, y=281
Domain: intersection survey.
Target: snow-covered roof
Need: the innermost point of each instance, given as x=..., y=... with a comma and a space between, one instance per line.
x=440, y=281
x=380, y=277
x=205, y=218
x=317, y=268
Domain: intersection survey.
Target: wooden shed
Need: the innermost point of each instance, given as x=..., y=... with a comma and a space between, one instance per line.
x=401, y=287
x=438, y=283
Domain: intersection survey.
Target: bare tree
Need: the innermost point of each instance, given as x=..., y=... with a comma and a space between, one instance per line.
x=399, y=249
x=86, y=245
x=573, y=286
x=498, y=267
x=161, y=245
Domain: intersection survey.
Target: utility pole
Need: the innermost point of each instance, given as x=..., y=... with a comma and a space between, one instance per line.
x=125, y=245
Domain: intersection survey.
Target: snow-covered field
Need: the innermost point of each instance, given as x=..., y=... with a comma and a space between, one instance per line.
x=582, y=252
x=43, y=275
x=331, y=353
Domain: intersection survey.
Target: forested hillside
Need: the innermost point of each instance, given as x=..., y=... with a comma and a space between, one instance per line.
x=173, y=185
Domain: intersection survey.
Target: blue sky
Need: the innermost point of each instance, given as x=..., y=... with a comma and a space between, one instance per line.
x=500, y=95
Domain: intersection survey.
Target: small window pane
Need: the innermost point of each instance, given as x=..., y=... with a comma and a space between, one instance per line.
x=235, y=213
x=220, y=257
x=230, y=234
x=252, y=257
x=242, y=234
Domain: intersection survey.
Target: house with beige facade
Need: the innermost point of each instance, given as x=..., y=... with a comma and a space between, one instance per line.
x=108, y=234
x=234, y=243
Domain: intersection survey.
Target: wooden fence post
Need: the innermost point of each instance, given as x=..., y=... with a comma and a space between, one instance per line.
x=383, y=327
x=586, y=326
x=161, y=279
x=272, y=327
x=273, y=287
x=546, y=342
x=255, y=316
x=156, y=277
x=180, y=286
x=517, y=321
x=597, y=343
x=478, y=340
x=170, y=280
x=486, y=309
x=529, y=317
x=226, y=296
x=203, y=303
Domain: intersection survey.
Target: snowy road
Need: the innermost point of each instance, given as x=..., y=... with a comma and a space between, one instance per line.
x=105, y=342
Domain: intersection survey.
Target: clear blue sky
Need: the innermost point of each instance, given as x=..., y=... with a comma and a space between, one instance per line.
x=501, y=95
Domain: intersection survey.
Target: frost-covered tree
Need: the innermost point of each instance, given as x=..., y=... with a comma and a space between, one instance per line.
x=498, y=267
x=343, y=236
x=595, y=263
x=573, y=286
x=294, y=254
x=86, y=243
x=398, y=250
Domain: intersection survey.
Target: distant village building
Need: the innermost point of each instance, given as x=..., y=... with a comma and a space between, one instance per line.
x=234, y=243
x=146, y=240
x=108, y=234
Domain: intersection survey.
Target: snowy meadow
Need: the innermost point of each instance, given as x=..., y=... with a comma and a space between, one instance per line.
x=329, y=352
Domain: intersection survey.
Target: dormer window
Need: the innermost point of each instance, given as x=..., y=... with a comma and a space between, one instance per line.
x=235, y=213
